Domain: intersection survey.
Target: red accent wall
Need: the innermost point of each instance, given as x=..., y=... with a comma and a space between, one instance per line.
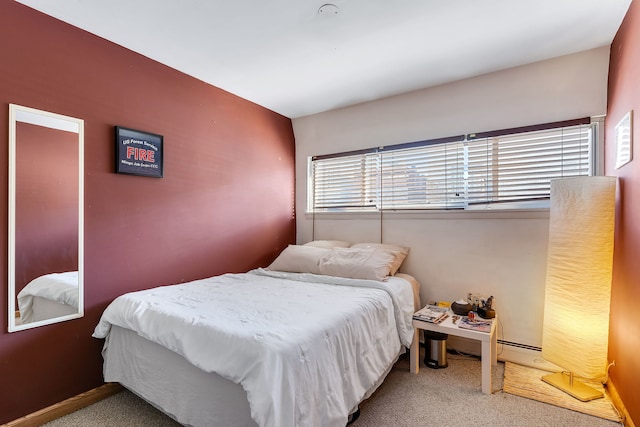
x=226, y=203
x=624, y=95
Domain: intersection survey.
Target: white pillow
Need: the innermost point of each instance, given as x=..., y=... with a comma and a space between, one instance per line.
x=358, y=263
x=400, y=253
x=328, y=244
x=299, y=259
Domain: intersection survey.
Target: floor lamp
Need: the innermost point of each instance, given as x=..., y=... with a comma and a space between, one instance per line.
x=578, y=282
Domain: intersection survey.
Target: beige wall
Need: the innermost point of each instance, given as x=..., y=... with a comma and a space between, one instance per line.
x=489, y=252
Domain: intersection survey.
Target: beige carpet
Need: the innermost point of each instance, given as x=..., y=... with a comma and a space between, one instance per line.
x=450, y=397
x=526, y=382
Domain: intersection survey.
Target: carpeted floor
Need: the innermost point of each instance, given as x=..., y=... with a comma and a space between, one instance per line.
x=435, y=397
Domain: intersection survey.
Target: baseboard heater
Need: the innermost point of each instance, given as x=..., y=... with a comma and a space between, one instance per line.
x=519, y=345
x=508, y=351
x=464, y=345
x=524, y=354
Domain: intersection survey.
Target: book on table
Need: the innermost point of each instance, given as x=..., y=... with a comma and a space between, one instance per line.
x=481, y=325
x=431, y=313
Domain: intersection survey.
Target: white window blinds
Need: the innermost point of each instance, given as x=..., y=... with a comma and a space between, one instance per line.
x=520, y=166
x=430, y=176
x=455, y=172
x=345, y=182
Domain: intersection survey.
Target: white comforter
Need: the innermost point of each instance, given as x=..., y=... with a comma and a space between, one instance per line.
x=306, y=349
x=58, y=287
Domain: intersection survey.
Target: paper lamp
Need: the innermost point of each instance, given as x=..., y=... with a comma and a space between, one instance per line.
x=578, y=282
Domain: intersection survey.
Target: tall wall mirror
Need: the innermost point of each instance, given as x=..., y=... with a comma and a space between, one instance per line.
x=46, y=206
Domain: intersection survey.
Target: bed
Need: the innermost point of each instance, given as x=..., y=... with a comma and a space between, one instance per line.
x=270, y=347
x=49, y=296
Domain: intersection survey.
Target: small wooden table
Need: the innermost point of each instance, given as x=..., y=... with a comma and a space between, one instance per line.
x=489, y=342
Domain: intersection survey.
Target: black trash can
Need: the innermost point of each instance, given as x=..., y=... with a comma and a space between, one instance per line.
x=435, y=350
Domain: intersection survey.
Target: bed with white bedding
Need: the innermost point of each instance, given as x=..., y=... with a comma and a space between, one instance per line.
x=268, y=347
x=48, y=296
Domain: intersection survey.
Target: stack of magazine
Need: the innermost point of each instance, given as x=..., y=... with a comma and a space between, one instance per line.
x=431, y=313
x=481, y=325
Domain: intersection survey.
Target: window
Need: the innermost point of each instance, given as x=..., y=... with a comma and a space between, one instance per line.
x=459, y=172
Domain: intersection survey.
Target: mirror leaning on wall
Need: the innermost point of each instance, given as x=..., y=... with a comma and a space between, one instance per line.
x=46, y=204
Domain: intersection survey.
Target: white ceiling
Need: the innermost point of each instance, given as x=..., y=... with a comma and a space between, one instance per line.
x=287, y=56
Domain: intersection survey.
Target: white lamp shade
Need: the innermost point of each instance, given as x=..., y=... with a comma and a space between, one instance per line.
x=578, y=283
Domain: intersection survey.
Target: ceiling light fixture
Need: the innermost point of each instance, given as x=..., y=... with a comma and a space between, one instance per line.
x=328, y=10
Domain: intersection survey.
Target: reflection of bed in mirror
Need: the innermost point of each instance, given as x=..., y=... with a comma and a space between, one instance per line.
x=46, y=206
x=268, y=347
x=49, y=296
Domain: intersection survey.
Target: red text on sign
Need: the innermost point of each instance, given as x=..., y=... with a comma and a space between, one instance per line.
x=141, y=154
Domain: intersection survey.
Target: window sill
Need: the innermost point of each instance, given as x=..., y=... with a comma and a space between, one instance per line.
x=493, y=213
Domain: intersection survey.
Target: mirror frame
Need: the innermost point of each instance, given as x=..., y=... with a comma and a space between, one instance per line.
x=47, y=119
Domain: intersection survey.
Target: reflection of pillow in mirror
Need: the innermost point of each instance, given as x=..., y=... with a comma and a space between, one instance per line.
x=400, y=253
x=328, y=244
x=358, y=263
x=299, y=259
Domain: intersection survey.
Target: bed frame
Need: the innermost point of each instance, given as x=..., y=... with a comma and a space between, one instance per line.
x=44, y=309
x=176, y=387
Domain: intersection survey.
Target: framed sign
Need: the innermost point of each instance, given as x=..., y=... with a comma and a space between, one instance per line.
x=138, y=153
